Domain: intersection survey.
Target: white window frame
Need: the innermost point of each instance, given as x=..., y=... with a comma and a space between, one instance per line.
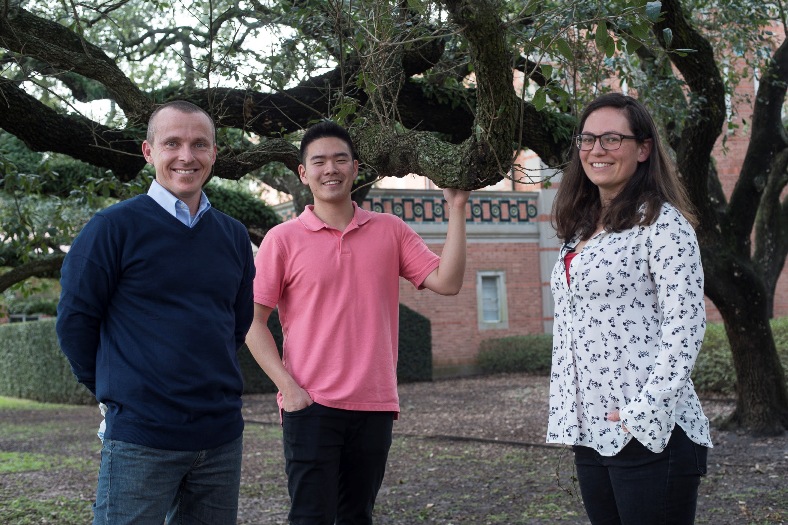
x=503, y=312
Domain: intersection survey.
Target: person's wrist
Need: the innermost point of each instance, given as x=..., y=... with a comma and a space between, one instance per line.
x=291, y=389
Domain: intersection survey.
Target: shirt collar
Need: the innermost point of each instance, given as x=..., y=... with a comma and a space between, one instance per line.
x=314, y=223
x=170, y=202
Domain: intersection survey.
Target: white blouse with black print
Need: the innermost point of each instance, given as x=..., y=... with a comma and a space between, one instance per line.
x=627, y=331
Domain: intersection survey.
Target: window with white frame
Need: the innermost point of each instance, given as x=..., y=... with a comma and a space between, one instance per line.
x=491, y=300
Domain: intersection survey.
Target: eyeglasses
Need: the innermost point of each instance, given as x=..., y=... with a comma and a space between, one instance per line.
x=608, y=141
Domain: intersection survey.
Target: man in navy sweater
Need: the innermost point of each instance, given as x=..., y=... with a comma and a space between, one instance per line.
x=156, y=301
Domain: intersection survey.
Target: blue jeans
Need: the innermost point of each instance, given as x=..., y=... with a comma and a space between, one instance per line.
x=639, y=487
x=141, y=485
x=335, y=461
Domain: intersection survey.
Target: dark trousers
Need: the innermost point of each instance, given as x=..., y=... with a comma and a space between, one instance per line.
x=639, y=487
x=335, y=461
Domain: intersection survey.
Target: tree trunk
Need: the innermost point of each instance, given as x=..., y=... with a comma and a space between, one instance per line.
x=738, y=293
x=732, y=281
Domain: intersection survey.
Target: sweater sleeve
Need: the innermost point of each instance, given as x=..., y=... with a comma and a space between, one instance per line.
x=244, y=304
x=675, y=265
x=88, y=278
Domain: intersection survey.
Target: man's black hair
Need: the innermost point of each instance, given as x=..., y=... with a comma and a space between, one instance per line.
x=323, y=129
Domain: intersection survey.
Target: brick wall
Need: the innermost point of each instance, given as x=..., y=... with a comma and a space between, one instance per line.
x=455, y=331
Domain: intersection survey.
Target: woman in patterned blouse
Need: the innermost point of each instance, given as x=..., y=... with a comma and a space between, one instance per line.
x=629, y=322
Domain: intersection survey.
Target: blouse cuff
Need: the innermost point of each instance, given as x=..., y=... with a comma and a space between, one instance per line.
x=650, y=425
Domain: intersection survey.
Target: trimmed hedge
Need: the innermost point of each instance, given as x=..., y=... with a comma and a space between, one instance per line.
x=518, y=353
x=33, y=367
x=415, y=347
x=713, y=372
x=32, y=306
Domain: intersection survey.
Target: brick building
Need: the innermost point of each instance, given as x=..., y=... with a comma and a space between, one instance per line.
x=505, y=291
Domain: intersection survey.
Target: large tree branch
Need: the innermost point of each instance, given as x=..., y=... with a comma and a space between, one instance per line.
x=43, y=129
x=771, y=226
x=35, y=268
x=486, y=155
x=486, y=152
x=54, y=44
x=236, y=165
x=707, y=102
x=766, y=166
x=767, y=141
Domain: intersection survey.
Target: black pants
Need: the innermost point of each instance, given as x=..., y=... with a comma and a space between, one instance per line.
x=639, y=487
x=335, y=461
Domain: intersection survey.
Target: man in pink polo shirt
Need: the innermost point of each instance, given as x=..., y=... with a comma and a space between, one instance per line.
x=334, y=275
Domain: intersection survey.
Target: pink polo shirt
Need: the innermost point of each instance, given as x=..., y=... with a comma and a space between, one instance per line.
x=338, y=299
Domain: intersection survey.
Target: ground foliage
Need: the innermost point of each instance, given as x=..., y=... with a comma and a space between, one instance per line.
x=466, y=451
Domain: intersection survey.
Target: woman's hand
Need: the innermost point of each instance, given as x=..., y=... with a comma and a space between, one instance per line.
x=615, y=416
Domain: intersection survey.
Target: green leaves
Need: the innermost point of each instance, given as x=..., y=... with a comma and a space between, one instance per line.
x=604, y=42
x=236, y=201
x=667, y=35
x=653, y=10
x=540, y=99
x=564, y=49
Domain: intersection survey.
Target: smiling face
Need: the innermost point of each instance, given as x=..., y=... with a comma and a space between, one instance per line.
x=611, y=170
x=329, y=170
x=183, y=152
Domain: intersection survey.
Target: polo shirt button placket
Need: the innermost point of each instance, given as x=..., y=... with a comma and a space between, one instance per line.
x=344, y=249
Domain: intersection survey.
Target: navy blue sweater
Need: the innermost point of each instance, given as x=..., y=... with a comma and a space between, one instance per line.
x=151, y=316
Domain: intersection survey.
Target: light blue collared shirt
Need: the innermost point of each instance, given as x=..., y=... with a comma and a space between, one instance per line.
x=176, y=207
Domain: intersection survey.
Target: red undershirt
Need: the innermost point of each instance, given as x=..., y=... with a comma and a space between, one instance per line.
x=567, y=261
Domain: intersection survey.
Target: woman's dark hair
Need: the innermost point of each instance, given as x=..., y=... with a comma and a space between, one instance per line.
x=577, y=208
x=323, y=129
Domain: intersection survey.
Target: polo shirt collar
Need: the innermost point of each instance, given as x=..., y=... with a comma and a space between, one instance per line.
x=314, y=223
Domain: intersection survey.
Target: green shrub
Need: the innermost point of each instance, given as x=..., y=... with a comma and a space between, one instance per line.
x=245, y=207
x=780, y=332
x=32, y=305
x=518, y=353
x=714, y=370
x=33, y=367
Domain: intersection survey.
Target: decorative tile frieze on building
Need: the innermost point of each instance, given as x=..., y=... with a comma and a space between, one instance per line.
x=428, y=206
